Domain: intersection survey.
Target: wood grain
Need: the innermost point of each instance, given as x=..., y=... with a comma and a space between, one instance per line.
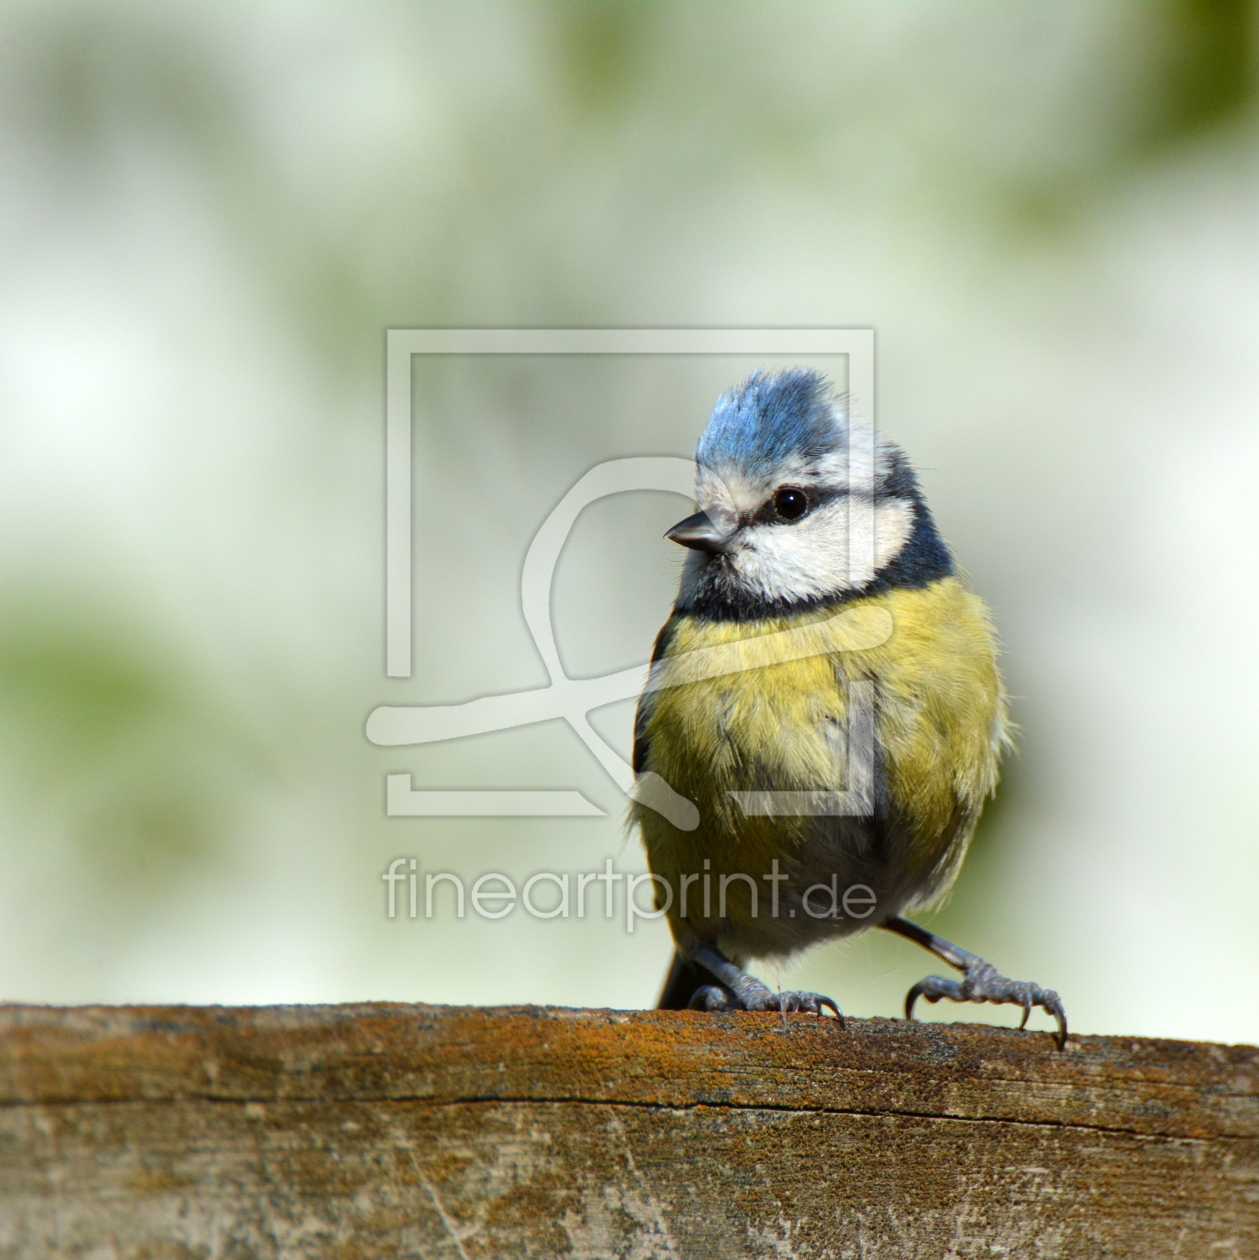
x=407, y=1131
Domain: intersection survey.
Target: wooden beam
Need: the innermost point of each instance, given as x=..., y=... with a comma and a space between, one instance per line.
x=406, y=1131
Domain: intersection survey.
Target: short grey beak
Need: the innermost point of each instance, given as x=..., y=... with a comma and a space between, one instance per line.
x=699, y=532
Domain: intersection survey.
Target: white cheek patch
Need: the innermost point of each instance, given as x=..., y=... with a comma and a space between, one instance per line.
x=811, y=560
x=893, y=528
x=839, y=546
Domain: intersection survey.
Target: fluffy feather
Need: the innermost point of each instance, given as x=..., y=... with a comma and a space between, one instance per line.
x=940, y=730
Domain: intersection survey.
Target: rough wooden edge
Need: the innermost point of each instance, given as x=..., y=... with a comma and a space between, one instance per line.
x=387, y=1051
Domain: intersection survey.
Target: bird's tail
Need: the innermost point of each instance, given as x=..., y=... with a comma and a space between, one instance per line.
x=680, y=984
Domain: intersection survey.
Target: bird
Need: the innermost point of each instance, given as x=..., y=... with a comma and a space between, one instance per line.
x=825, y=702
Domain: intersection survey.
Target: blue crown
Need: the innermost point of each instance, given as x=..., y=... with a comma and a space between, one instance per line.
x=770, y=418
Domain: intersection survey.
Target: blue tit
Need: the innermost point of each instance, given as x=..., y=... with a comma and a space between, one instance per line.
x=834, y=717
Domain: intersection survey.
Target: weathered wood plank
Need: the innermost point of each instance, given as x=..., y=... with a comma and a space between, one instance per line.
x=389, y=1130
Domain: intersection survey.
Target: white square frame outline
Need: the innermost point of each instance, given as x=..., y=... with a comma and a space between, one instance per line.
x=857, y=344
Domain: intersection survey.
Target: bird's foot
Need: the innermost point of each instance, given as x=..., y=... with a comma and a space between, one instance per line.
x=751, y=995
x=982, y=982
x=713, y=997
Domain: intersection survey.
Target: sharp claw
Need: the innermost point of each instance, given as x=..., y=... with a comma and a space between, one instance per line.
x=984, y=983
x=911, y=997
x=933, y=988
x=825, y=1003
x=746, y=993
x=791, y=1000
x=1055, y=1008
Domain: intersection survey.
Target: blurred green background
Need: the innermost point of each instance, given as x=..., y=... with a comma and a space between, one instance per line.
x=212, y=212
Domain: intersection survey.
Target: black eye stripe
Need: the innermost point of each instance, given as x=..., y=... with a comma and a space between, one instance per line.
x=817, y=496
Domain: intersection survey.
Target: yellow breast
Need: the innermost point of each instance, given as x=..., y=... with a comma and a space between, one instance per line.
x=940, y=722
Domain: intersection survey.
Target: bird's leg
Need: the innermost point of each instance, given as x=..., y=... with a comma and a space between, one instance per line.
x=982, y=982
x=739, y=991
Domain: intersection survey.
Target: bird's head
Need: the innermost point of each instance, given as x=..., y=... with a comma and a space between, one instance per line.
x=800, y=503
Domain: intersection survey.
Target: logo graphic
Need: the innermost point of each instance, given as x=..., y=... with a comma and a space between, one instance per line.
x=574, y=699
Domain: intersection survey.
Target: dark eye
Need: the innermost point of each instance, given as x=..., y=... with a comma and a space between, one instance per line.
x=791, y=504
